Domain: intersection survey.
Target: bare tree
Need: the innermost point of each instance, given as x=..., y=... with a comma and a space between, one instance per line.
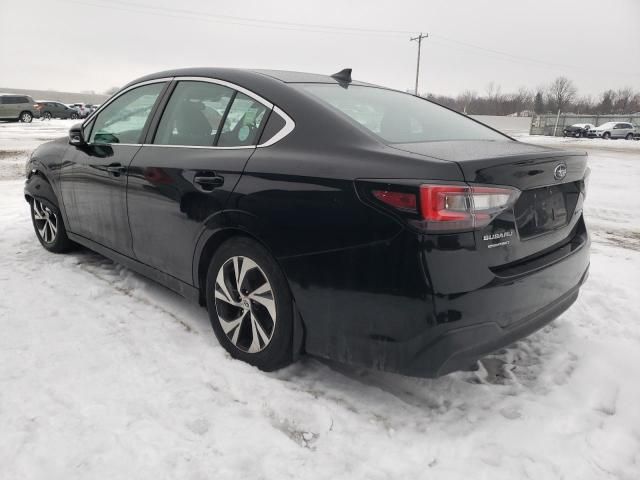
x=560, y=93
x=465, y=99
x=521, y=100
x=624, y=97
x=606, y=104
x=494, y=98
x=584, y=104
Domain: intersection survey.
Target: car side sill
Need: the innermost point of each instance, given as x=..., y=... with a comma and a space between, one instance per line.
x=181, y=288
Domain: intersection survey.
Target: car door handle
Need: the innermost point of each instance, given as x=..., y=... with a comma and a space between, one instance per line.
x=209, y=181
x=115, y=168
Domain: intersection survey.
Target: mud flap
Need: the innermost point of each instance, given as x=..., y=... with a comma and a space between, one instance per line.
x=298, y=333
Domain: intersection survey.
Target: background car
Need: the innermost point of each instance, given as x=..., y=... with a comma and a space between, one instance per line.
x=18, y=108
x=613, y=130
x=577, y=130
x=50, y=109
x=82, y=109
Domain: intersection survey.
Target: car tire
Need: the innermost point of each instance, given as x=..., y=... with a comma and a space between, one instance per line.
x=49, y=226
x=253, y=321
x=606, y=135
x=629, y=136
x=74, y=116
x=26, y=117
x=46, y=115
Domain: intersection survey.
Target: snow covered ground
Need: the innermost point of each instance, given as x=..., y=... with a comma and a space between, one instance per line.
x=106, y=375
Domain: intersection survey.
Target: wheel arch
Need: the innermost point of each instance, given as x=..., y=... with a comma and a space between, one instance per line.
x=202, y=259
x=39, y=186
x=205, y=253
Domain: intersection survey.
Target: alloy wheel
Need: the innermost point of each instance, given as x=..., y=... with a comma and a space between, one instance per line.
x=26, y=117
x=46, y=222
x=47, y=116
x=245, y=304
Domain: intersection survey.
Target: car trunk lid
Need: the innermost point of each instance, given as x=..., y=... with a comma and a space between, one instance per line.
x=549, y=207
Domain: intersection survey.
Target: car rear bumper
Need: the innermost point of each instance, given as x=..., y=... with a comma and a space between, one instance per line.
x=459, y=348
x=465, y=327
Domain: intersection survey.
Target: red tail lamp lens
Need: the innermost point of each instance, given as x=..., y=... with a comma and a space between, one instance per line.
x=457, y=207
x=406, y=202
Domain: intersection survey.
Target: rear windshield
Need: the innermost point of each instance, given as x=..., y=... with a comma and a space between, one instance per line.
x=398, y=117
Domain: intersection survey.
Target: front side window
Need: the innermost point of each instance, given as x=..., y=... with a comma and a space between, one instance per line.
x=123, y=120
x=243, y=122
x=193, y=114
x=398, y=117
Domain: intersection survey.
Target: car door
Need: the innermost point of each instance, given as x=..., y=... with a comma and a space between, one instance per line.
x=183, y=175
x=4, y=107
x=57, y=110
x=616, y=131
x=11, y=107
x=93, y=176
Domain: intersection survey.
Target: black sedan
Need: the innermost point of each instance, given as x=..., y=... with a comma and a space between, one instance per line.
x=318, y=214
x=578, y=130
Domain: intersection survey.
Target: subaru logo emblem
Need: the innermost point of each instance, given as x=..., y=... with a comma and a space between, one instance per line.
x=560, y=172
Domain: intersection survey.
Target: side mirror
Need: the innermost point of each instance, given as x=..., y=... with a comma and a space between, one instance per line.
x=75, y=135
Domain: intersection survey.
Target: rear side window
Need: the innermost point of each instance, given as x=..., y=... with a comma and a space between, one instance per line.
x=13, y=100
x=193, y=114
x=243, y=123
x=123, y=120
x=398, y=117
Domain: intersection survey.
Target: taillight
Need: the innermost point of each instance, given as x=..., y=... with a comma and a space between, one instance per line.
x=37, y=106
x=456, y=207
x=442, y=208
x=402, y=201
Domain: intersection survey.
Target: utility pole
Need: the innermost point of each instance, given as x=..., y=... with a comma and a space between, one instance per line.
x=419, y=39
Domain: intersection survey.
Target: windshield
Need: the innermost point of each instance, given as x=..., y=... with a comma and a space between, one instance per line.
x=398, y=117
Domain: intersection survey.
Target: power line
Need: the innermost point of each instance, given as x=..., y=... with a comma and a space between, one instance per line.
x=124, y=5
x=519, y=58
x=234, y=20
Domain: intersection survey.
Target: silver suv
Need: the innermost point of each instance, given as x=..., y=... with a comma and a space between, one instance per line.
x=18, y=107
x=613, y=130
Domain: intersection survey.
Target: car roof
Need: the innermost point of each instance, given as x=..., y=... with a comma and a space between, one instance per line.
x=283, y=76
x=287, y=76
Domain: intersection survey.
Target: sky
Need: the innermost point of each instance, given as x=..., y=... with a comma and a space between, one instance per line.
x=84, y=45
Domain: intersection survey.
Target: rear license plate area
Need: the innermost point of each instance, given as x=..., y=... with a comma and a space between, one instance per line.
x=542, y=210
